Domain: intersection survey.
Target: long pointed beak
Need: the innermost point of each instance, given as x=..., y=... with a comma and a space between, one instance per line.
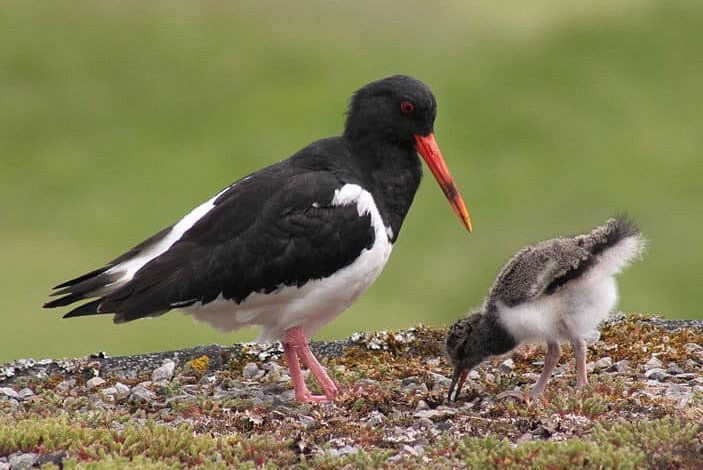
x=428, y=148
x=458, y=382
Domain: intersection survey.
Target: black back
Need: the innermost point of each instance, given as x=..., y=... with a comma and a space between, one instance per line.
x=277, y=227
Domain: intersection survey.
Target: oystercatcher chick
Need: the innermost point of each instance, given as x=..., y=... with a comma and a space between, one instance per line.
x=291, y=246
x=554, y=291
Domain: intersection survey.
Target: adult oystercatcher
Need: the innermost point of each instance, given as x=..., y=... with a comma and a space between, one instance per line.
x=289, y=247
x=554, y=291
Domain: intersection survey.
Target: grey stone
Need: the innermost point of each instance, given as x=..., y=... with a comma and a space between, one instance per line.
x=439, y=412
x=604, y=362
x=411, y=380
x=22, y=461
x=25, y=363
x=25, y=393
x=621, y=367
x=415, y=388
x=679, y=391
x=122, y=390
x=656, y=374
x=653, y=363
x=251, y=371
x=432, y=362
x=9, y=393
x=422, y=405
x=306, y=420
x=141, y=394
x=66, y=385
x=674, y=369
x=686, y=376
x=165, y=372
x=376, y=418
x=109, y=393
x=346, y=450
x=440, y=382
x=95, y=382
x=507, y=366
x=590, y=367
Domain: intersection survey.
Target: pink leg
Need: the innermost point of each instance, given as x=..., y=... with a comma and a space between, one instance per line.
x=550, y=362
x=580, y=355
x=311, y=362
x=295, y=345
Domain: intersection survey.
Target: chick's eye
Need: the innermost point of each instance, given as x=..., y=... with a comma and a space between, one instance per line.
x=407, y=107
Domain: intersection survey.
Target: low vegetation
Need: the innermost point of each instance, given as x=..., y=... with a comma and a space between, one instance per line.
x=205, y=412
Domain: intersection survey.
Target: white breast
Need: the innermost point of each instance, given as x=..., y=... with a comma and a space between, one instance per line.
x=574, y=311
x=316, y=302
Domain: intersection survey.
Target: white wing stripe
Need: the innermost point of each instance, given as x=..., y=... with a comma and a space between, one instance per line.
x=132, y=265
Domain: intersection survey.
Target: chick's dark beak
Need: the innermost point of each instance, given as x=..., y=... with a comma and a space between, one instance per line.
x=458, y=380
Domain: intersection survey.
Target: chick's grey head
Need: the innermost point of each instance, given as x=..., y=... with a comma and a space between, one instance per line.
x=465, y=348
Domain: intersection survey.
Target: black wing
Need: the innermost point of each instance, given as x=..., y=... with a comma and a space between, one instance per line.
x=275, y=228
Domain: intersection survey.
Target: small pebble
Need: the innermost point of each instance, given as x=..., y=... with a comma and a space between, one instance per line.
x=66, y=385
x=9, y=393
x=604, y=362
x=22, y=461
x=306, y=420
x=507, y=366
x=656, y=374
x=25, y=393
x=653, y=363
x=415, y=388
x=621, y=367
x=95, y=382
x=422, y=405
x=440, y=382
x=432, y=362
x=678, y=391
x=141, y=394
x=165, y=372
x=376, y=418
x=250, y=371
x=122, y=390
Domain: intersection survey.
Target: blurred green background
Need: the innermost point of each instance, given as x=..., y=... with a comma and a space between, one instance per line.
x=116, y=118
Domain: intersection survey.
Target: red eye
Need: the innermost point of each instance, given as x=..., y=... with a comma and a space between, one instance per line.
x=407, y=107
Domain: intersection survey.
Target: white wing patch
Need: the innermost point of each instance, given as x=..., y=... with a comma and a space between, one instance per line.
x=132, y=265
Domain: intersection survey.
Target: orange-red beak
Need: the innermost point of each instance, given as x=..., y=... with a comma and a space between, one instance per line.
x=428, y=148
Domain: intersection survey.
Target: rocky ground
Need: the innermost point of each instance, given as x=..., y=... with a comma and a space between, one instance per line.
x=233, y=406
